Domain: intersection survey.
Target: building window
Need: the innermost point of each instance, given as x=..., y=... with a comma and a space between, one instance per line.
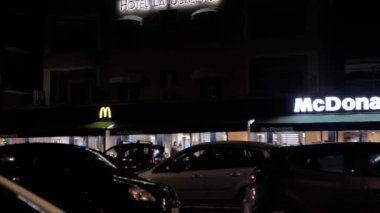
x=210, y=88
x=129, y=33
x=79, y=92
x=362, y=79
x=168, y=19
x=73, y=35
x=168, y=79
x=127, y=91
x=266, y=19
x=208, y=24
x=278, y=75
x=73, y=86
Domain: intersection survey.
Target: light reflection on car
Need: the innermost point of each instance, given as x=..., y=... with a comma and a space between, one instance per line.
x=17, y=199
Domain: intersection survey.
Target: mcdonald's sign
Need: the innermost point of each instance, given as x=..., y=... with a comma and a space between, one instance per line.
x=105, y=112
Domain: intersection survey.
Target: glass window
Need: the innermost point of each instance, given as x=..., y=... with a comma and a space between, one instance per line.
x=320, y=161
x=332, y=163
x=126, y=91
x=190, y=161
x=266, y=19
x=210, y=88
x=72, y=85
x=224, y=158
x=286, y=74
x=73, y=35
x=168, y=79
x=113, y=152
x=374, y=160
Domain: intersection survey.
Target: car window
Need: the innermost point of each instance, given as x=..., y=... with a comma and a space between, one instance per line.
x=374, y=159
x=374, y=163
x=113, y=152
x=12, y=163
x=242, y=157
x=318, y=160
x=225, y=158
x=136, y=152
x=70, y=162
x=212, y=158
x=190, y=161
x=331, y=163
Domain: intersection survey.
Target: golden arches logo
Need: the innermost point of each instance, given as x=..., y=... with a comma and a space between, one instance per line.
x=105, y=112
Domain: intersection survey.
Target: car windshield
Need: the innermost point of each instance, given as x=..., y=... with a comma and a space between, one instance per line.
x=103, y=159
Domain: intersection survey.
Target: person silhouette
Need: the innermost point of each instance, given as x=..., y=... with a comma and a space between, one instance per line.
x=175, y=148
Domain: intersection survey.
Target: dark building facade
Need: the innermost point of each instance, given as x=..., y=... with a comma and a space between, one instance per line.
x=180, y=54
x=125, y=51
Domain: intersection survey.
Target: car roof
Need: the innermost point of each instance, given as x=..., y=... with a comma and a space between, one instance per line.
x=233, y=143
x=42, y=147
x=132, y=144
x=329, y=145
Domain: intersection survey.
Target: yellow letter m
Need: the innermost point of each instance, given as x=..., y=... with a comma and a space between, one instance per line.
x=105, y=112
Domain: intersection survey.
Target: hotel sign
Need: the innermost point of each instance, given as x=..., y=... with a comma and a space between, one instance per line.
x=333, y=104
x=133, y=6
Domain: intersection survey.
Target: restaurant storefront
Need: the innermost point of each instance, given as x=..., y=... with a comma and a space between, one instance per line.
x=284, y=121
x=321, y=119
x=100, y=127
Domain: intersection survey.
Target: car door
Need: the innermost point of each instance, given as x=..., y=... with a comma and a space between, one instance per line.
x=183, y=173
x=227, y=172
x=371, y=165
x=325, y=180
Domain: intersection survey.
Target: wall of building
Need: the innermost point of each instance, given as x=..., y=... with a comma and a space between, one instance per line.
x=171, y=55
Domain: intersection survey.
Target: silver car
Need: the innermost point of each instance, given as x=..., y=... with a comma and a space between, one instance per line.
x=211, y=174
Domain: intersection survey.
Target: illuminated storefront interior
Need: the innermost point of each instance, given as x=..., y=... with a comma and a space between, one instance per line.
x=311, y=137
x=297, y=122
x=167, y=140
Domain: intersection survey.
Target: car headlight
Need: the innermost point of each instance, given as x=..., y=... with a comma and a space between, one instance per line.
x=141, y=194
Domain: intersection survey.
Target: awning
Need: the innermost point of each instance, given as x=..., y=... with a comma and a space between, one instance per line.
x=204, y=12
x=131, y=20
x=310, y=122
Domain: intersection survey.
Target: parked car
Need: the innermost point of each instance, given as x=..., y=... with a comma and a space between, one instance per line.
x=135, y=156
x=15, y=198
x=330, y=177
x=210, y=173
x=79, y=179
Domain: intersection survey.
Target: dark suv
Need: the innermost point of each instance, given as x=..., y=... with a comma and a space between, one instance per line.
x=331, y=177
x=135, y=156
x=79, y=179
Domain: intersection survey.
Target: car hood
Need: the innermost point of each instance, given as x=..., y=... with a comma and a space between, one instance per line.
x=159, y=189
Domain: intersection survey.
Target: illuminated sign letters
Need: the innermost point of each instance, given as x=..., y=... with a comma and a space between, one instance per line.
x=276, y=129
x=105, y=112
x=127, y=6
x=333, y=104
